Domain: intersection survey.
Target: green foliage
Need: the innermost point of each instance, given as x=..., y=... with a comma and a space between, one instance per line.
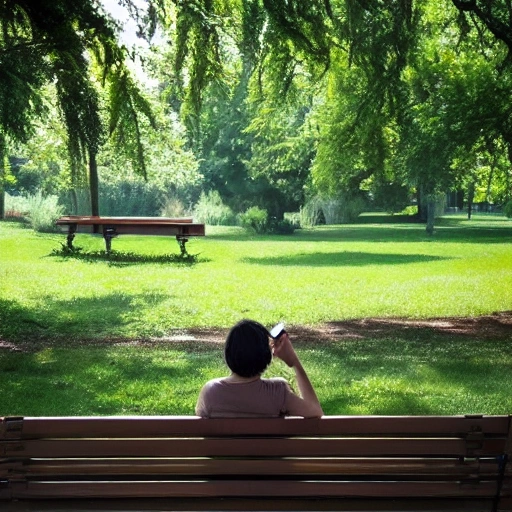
x=127, y=104
x=339, y=210
x=173, y=207
x=130, y=198
x=507, y=209
x=16, y=206
x=43, y=211
x=391, y=197
x=211, y=210
x=255, y=219
x=72, y=45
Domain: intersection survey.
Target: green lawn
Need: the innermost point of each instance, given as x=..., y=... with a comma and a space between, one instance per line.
x=328, y=273
x=402, y=374
x=53, y=308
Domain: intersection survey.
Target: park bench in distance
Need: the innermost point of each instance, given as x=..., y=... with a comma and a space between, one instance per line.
x=188, y=463
x=111, y=227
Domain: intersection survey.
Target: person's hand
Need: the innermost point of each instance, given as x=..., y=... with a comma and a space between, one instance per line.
x=283, y=349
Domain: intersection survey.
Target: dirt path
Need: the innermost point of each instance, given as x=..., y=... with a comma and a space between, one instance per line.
x=497, y=326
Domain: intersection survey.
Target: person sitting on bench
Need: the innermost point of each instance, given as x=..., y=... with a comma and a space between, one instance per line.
x=248, y=351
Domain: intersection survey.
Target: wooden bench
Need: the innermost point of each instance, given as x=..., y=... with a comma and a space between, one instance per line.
x=111, y=227
x=188, y=463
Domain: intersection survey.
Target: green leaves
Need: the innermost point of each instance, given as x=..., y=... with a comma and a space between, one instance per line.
x=126, y=105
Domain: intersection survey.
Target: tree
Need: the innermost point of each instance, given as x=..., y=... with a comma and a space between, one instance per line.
x=402, y=86
x=56, y=41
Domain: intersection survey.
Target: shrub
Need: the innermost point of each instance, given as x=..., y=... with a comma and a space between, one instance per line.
x=211, y=210
x=43, y=212
x=293, y=218
x=281, y=227
x=339, y=210
x=16, y=207
x=255, y=219
x=410, y=210
x=507, y=209
x=76, y=201
x=173, y=207
x=130, y=198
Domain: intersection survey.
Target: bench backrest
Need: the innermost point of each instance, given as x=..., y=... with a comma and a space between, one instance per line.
x=339, y=462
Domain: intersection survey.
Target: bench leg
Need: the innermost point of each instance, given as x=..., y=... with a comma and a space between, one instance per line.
x=71, y=236
x=182, y=240
x=109, y=232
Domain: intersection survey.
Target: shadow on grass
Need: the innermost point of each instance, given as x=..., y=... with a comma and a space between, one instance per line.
x=395, y=229
x=371, y=376
x=73, y=321
x=345, y=258
x=120, y=258
x=98, y=380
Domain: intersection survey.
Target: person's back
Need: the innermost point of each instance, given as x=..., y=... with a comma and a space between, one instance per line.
x=244, y=393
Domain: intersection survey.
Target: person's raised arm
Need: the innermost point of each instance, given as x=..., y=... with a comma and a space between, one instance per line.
x=307, y=404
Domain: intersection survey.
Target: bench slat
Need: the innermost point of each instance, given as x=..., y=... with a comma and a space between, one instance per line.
x=255, y=488
x=189, y=426
x=442, y=469
x=272, y=447
x=89, y=219
x=257, y=505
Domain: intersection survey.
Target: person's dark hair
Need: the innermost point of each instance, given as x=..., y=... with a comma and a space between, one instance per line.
x=247, y=351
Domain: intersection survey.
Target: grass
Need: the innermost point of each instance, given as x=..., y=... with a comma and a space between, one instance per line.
x=342, y=272
x=395, y=375
x=70, y=322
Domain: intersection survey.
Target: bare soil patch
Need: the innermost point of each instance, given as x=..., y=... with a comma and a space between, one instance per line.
x=489, y=327
x=496, y=326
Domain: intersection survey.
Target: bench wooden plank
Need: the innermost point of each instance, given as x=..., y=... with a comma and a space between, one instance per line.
x=446, y=469
x=251, y=447
x=92, y=220
x=190, y=426
x=237, y=504
x=244, y=488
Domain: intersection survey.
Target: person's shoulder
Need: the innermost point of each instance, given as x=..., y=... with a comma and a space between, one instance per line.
x=213, y=383
x=276, y=382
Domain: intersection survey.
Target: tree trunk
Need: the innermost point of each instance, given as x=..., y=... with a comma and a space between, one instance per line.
x=94, y=187
x=422, y=206
x=431, y=213
x=2, y=198
x=74, y=201
x=471, y=196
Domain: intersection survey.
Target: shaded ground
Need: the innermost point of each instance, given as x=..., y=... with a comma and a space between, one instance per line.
x=497, y=326
x=494, y=326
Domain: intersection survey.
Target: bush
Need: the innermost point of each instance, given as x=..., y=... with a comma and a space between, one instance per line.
x=76, y=201
x=339, y=210
x=43, y=212
x=281, y=227
x=16, y=207
x=255, y=219
x=211, y=210
x=507, y=209
x=173, y=207
x=130, y=198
